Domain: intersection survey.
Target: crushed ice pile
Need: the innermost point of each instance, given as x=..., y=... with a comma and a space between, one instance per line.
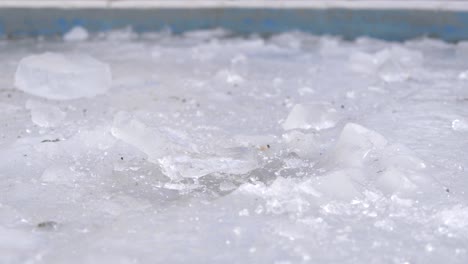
x=212, y=148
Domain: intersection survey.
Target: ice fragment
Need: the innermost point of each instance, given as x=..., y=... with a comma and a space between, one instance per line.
x=316, y=116
x=62, y=76
x=76, y=34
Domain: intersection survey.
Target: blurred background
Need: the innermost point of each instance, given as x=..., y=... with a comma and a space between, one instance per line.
x=384, y=19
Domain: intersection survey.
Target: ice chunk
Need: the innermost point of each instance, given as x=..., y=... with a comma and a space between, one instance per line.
x=367, y=63
x=355, y=143
x=287, y=195
x=62, y=77
x=76, y=34
x=460, y=125
x=390, y=64
x=391, y=167
x=238, y=161
x=230, y=77
x=149, y=140
x=304, y=145
x=399, y=156
x=400, y=64
x=45, y=115
x=316, y=116
x=330, y=46
x=406, y=57
x=177, y=156
x=393, y=180
x=340, y=184
x=305, y=91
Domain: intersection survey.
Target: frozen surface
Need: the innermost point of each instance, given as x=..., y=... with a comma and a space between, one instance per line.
x=211, y=148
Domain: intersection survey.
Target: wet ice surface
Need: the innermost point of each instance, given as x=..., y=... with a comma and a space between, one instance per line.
x=213, y=148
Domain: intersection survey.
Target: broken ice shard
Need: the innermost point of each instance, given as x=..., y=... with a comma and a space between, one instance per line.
x=62, y=77
x=45, y=115
x=355, y=143
x=393, y=167
x=235, y=161
x=393, y=64
x=304, y=145
x=177, y=156
x=317, y=116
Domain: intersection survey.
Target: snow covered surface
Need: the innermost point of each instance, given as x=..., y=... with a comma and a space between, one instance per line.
x=211, y=148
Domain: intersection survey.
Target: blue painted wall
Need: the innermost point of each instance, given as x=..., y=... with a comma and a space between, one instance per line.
x=349, y=23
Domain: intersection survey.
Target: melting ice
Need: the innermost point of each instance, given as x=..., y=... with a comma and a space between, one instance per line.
x=209, y=148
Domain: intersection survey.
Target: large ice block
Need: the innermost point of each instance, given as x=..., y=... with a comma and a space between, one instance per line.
x=62, y=76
